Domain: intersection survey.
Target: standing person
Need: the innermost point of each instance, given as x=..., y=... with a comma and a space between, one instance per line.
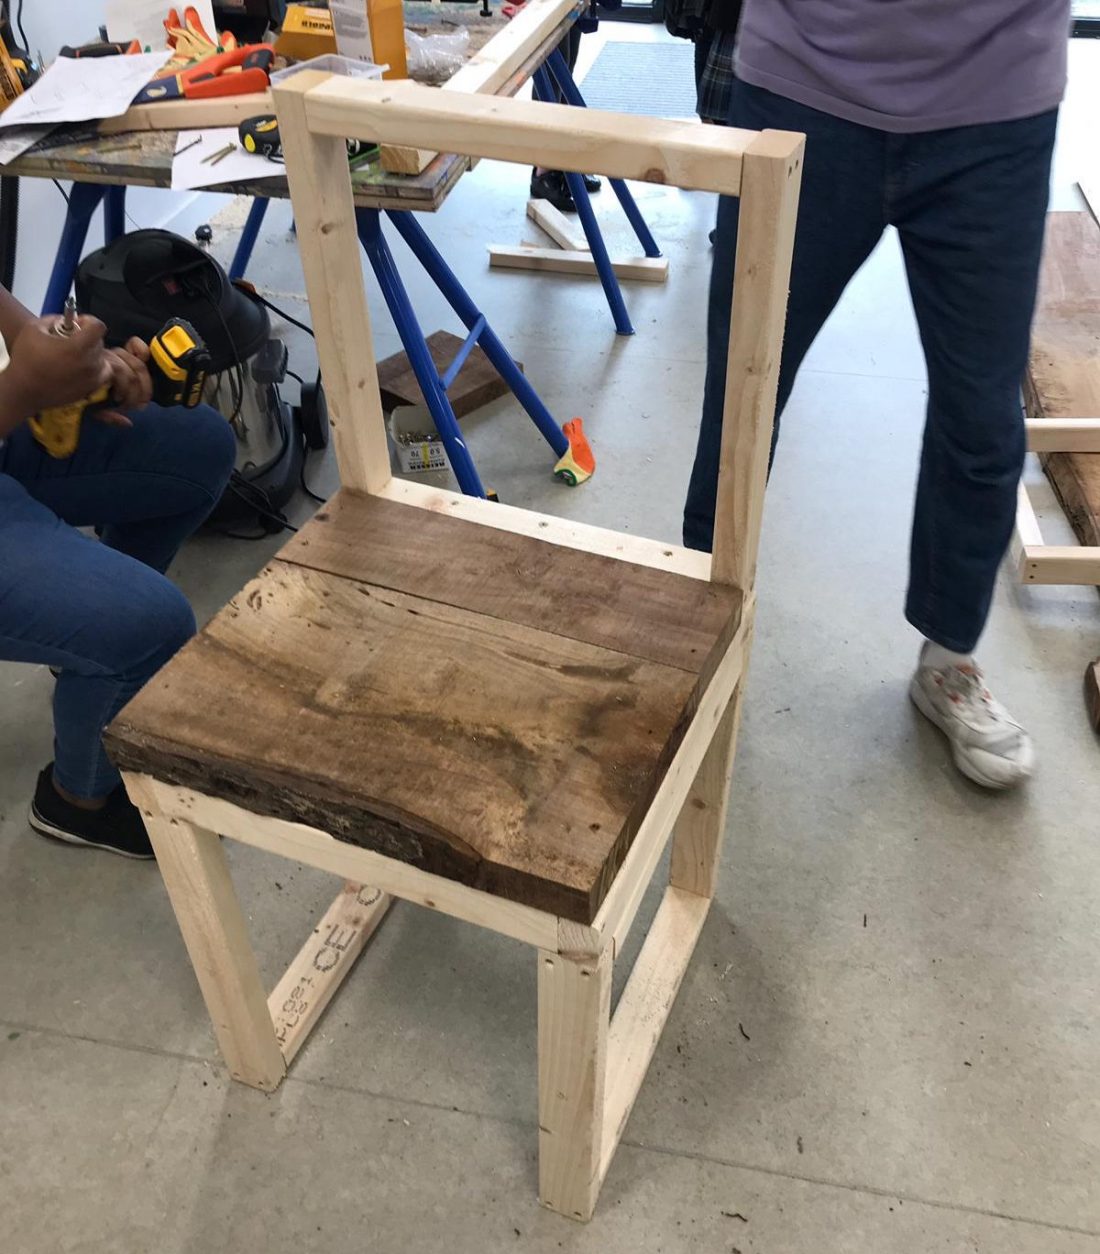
x=714, y=76
x=551, y=185
x=100, y=612
x=939, y=120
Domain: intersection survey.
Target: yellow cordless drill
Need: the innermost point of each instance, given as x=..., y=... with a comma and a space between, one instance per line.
x=178, y=365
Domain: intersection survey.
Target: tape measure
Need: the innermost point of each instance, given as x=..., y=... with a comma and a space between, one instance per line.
x=261, y=136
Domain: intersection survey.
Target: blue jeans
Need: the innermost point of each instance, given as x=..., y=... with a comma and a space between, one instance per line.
x=969, y=205
x=102, y=612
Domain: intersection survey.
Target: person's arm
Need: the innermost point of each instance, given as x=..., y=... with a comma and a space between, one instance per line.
x=47, y=370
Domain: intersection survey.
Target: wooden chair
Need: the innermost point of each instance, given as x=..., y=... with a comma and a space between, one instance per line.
x=482, y=710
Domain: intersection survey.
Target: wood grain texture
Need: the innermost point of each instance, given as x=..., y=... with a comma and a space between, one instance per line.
x=564, y=261
x=563, y=231
x=506, y=757
x=195, y=872
x=500, y=64
x=705, y=158
x=649, y=614
x=566, y=532
x=313, y=847
x=477, y=383
x=328, y=241
x=697, y=837
x=574, y=1015
x=307, y=986
x=771, y=177
x=1063, y=377
x=645, y=1005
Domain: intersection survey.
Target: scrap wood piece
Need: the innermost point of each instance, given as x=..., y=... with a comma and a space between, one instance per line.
x=1063, y=375
x=476, y=385
x=561, y=261
x=551, y=220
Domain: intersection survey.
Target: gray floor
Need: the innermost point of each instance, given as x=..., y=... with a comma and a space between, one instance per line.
x=887, y=1041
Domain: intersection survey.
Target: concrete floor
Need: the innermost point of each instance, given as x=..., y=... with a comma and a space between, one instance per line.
x=887, y=1040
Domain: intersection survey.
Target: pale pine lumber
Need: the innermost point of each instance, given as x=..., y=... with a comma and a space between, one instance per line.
x=182, y=115
x=550, y=219
x=308, y=985
x=771, y=176
x=489, y=69
x=697, y=836
x=563, y=531
x=621, y=904
x=313, y=847
x=320, y=186
x=559, y=137
x=574, y=999
x=1061, y=563
x=196, y=875
x=561, y=261
x=644, y=1007
x=1063, y=435
x=1063, y=374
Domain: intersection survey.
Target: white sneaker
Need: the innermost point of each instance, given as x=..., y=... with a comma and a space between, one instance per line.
x=987, y=743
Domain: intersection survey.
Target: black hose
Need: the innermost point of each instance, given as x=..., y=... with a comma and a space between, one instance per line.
x=9, y=228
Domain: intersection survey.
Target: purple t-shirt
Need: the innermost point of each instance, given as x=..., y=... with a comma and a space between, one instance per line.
x=909, y=65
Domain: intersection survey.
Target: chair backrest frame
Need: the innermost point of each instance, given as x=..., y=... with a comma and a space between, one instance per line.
x=317, y=113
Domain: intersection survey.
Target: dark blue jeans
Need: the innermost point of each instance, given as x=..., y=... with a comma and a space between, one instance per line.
x=101, y=611
x=969, y=205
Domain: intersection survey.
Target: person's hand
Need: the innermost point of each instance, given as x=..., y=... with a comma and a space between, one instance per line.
x=131, y=385
x=48, y=370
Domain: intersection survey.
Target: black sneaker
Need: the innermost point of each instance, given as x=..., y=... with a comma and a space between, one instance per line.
x=591, y=183
x=117, y=827
x=552, y=186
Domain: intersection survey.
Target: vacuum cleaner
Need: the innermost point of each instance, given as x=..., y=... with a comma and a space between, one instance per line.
x=135, y=284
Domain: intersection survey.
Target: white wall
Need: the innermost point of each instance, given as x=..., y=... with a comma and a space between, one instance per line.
x=49, y=24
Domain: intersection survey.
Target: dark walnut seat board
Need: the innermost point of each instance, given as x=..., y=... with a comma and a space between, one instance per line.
x=1063, y=377
x=489, y=707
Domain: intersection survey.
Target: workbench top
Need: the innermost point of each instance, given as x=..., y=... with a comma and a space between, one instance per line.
x=144, y=158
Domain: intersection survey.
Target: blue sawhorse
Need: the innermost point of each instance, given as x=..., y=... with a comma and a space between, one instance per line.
x=553, y=81
x=574, y=465
x=479, y=333
x=84, y=200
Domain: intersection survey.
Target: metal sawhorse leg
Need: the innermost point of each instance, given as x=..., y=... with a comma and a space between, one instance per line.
x=573, y=465
x=552, y=81
x=84, y=200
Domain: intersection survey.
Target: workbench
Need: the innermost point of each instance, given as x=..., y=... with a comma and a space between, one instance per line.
x=502, y=55
x=144, y=158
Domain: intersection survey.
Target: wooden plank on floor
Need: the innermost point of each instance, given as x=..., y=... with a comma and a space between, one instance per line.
x=1063, y=377
x=564, y=233
x=505, y=757
x=477, y=383
x=561, y=261
x=635, y=610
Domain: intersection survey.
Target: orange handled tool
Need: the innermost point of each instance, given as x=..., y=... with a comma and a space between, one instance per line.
x=232, y=73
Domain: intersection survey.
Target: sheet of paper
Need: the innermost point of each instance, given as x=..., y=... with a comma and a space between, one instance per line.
x=144, y=20
x=190, y=169
x=15, y=142
x=76, y=90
